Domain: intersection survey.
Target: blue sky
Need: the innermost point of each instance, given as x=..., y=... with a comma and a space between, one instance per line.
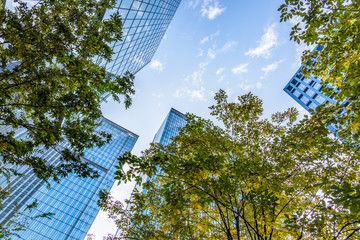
x=238, y=46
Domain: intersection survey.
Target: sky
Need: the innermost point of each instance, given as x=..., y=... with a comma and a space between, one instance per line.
x=238, y=46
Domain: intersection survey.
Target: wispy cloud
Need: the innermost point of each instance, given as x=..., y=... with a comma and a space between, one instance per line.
x=242, y=68
x=211, y=9
x=195, y=88
x=193, y=94
x=246, y=86
x=157, y=65
x=267, y=43
x=196, y=78
x=157, y=95
x=214, y=51
x=193, y=3
x=270, y=68
x=211, y=53
x=220, y=70
x=201, y=52
x=210, y=37
x=228, y=46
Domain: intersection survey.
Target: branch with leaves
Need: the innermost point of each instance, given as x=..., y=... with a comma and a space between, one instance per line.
x=253, y=179
x=335, y=25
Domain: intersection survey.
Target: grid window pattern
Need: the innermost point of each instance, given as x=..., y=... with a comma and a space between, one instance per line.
x=306, y=92
x=170, y=127
x=144, y=25
x=73, y=199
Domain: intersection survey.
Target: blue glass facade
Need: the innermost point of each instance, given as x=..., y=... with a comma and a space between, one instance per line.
x=73, y=199
x=144, y=25
x=307, y=92
x=170, y=127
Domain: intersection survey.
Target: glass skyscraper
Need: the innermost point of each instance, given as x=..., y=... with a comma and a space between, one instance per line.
x=73, y=199
x=144, y=25
x=168, y=129
x=307, y=92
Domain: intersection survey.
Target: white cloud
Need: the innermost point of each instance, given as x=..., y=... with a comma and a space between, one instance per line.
x=193, y=94
x=228, y=46
x=210, y=37
x=242, y=68
x=157, y=65
x=211, y=9
x=267, y=43
x=220, y=70
x=196, y=78
x=157, y=95
x=213, y=51
x=221, y=79
x=245, y=87
x=258, y=85
x=204, y=40
x=270, y=68
x=194, y=89
x=193, y=3
x=201, y=52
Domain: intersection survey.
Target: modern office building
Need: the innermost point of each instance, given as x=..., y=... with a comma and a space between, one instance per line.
x=307, y=92
x=168, y=129
x=144, y=25
x=73, y=199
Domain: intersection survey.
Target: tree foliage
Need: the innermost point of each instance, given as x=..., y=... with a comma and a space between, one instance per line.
x=253, y=179
x=20, y=219
x=50, y=83
x=335, y=25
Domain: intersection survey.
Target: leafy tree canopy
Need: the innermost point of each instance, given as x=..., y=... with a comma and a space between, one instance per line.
x=50, y=84
x=253, y=179
x=335, y=25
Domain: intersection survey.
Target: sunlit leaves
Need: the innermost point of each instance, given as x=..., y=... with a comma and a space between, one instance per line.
x=254, y=179
x=335, y=25
x=50, y=84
